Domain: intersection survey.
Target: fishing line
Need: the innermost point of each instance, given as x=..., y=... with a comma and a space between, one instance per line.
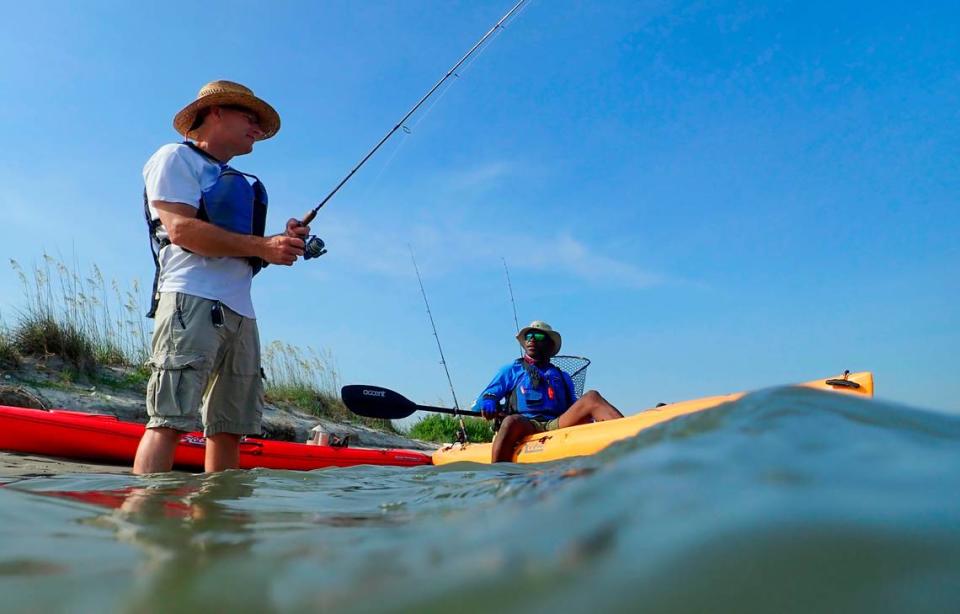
x=408, y=130
x=462, y=436
x=314, y=244
x=443, y=92
x=370, y=192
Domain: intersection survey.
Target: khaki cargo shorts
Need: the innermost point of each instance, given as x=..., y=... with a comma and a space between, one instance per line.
x=545, y=425
x=202, y=373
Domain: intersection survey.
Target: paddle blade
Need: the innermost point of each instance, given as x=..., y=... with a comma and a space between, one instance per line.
x=376, y=402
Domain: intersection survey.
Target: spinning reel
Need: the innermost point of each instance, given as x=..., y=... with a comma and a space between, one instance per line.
x=314, y=247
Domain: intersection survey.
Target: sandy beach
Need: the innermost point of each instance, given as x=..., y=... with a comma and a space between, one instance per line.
x=14, y=466
x=39, y=384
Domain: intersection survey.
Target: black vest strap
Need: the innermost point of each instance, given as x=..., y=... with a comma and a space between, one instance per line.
x=203, y=153
x=156, y=244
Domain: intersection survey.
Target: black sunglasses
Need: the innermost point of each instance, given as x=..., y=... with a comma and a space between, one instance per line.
x=531, y=336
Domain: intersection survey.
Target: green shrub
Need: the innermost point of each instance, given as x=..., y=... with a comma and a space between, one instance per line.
x=135, y=378
x=444, y=428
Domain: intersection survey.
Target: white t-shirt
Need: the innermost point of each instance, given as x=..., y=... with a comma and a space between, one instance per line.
x=177, y=174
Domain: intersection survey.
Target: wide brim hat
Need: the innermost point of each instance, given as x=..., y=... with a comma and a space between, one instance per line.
x=543, y=327
x=228, y=93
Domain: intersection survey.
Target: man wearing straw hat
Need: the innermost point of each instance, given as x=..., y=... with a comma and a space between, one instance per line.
x=206, y=224
x=540, y=396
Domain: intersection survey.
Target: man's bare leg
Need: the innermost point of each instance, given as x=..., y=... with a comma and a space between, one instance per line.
x=223, y=452
x=156, y=450
x=590, y=407
x=514, y=428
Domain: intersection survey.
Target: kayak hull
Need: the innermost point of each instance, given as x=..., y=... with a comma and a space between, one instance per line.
x=105, y=439
x=587, y=439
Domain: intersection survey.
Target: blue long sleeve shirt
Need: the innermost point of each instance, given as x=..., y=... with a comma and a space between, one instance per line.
x=555, y=394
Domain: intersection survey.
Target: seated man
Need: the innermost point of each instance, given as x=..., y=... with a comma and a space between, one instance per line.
x=540, y=396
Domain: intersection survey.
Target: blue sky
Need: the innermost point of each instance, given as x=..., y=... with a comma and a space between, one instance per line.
x=701, y=197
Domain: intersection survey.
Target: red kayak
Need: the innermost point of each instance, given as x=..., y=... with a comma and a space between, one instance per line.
x=93, y=437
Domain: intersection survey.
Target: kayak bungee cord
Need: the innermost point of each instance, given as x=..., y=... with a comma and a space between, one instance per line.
x=462, y=435
x=314, y=245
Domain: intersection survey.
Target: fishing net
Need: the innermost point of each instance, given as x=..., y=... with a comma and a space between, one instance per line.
x=576, y=366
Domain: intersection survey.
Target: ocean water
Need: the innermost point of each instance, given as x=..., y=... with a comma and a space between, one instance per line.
x=788, y=500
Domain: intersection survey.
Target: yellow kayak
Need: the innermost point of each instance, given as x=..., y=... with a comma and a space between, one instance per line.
x=586, y=439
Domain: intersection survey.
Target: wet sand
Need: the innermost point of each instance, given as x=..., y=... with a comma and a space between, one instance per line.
x=14, y=466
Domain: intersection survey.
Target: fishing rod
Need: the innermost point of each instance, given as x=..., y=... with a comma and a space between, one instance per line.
x=317, y=247
x=510, y=287
x=512, y=302
x=462, y=436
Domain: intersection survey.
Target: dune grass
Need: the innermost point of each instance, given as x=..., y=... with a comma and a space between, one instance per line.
x=309, y=380
x=90, y=324
x=9, y=357
x=78, y=317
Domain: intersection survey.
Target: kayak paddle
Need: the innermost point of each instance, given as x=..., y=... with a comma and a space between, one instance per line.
x=377, y=402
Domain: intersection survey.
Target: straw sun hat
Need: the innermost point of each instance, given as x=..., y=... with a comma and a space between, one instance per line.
x=543, y=327
x=228, y=93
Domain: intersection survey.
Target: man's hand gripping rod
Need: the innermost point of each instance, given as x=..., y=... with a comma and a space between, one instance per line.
x=314, y=246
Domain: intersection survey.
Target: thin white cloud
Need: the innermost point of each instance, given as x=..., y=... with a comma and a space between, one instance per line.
x=438, y=217
x=442, y=250
x=480, y=177
x=596, y=268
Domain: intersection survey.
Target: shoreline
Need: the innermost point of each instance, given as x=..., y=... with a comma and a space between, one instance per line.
x=39, y=384
x=14, y=465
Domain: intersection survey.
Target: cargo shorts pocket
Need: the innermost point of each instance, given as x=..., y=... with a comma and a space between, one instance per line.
x=176, y=384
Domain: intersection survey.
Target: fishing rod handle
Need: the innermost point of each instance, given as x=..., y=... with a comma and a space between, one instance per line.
x=308, y=218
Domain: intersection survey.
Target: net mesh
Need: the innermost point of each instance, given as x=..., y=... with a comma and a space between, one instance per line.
x=576, y=366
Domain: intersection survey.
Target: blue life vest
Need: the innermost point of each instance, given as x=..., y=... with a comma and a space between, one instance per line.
x=231, y=203
x=540, y=394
